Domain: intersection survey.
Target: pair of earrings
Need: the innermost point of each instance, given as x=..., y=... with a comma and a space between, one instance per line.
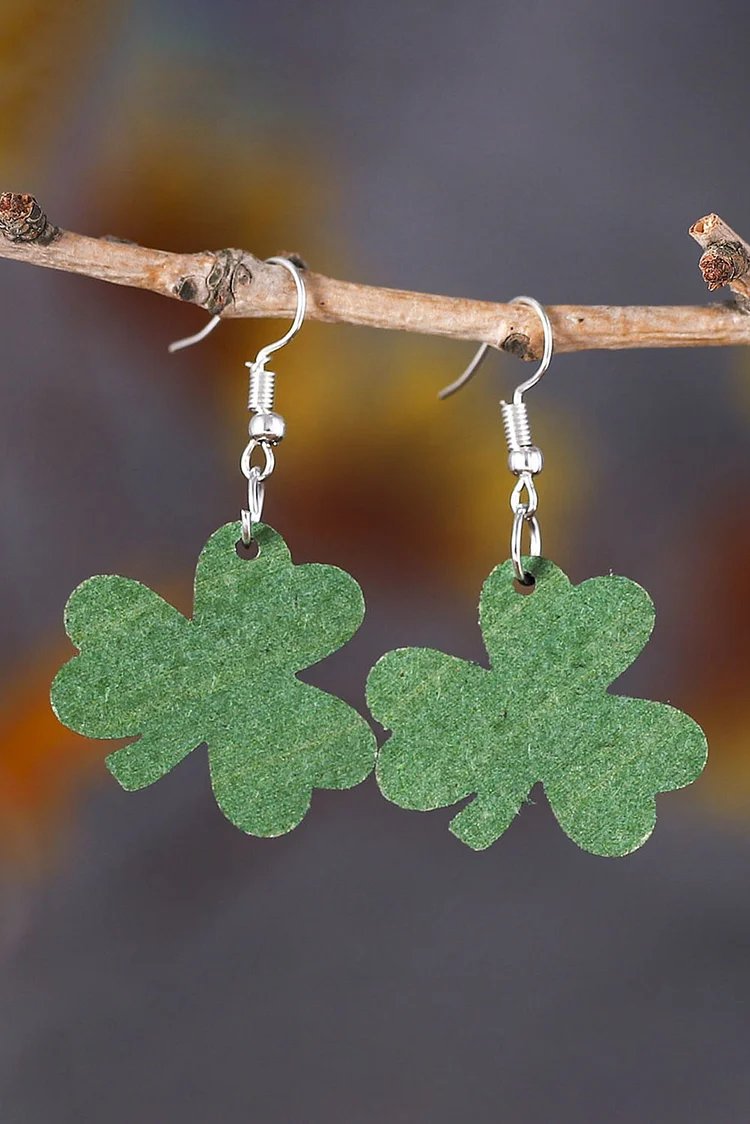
x=228, y=676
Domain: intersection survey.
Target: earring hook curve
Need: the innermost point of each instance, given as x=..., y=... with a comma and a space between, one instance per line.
x=481, y=355
x=265, y=352
x=188, y=341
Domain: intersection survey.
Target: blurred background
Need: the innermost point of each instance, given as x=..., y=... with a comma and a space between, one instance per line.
x=155, y=964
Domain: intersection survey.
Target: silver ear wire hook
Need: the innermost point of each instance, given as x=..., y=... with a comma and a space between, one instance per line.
x=481, y=355
x=525, y=460
x=265, y=352
x=178, y=345
x=549, y=346
x=266, y=427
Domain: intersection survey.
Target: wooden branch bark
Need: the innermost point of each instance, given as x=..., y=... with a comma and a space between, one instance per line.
x=234, y=283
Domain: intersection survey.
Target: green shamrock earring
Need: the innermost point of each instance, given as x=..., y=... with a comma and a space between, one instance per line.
x=227, y=677
x=542, y=711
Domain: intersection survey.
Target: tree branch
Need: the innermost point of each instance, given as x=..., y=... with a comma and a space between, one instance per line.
x=234, y=283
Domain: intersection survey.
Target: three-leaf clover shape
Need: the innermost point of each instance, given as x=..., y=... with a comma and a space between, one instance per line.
x=227, y=677
x=540, y=713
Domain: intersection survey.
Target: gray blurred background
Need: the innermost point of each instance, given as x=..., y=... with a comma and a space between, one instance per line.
x=157, y=965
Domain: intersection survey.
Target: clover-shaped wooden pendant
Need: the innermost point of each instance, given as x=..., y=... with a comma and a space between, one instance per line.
x=541, y=713
x=226, y=677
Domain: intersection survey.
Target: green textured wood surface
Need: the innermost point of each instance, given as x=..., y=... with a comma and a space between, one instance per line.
x=542, y=713
x=226, y=677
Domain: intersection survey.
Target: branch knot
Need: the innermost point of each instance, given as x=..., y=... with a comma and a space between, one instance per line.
x=217, y=290
x=23, y=220
x=722, y=262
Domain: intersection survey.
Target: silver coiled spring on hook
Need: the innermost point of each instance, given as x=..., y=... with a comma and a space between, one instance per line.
x=516, y=425
x=260, y=397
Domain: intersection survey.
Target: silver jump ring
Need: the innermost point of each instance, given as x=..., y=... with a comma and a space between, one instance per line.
x=247, y=527
x=256, y=491
x=269, y=459
x=529, y=506
x=535, y=541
